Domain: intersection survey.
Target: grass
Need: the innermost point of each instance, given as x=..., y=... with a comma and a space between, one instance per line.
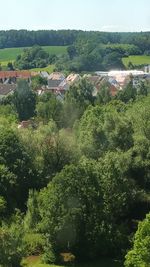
x=136, y=60
x=49, y=69
x=57, y=50
x=34, y=261
x=10, y=54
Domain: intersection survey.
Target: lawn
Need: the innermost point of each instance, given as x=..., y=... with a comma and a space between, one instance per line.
x=136, y=60
x=10, y=54
x=49, y=69
x=34, y=261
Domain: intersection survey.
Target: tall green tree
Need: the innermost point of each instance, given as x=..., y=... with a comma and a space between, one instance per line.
x=128, y=93
x=31, y=217
x=24, y=100
x=17, y=174
x=71, y=217
x=77, y=99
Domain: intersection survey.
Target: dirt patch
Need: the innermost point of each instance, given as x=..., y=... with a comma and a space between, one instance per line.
x=33, y=259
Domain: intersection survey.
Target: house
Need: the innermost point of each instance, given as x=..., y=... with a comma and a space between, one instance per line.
x=44, y=74
x=113, y=90
x=56, y=76
x=95, y=80
x=54, y=80
x=12, y=76
x=72, y=78
x=6, y=89
x=57, y=83
x=147, y=69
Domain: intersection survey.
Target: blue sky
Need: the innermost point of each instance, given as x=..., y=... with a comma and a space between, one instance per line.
x=102, y=15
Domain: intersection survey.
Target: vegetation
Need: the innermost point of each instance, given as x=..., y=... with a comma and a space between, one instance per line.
x=140, y=254
x=10, y=54
x=78, y=50
x=77, y=179
x=24, y=38
x=24, y=101
x=49, y=69
x=35, y=261
x=136, y=60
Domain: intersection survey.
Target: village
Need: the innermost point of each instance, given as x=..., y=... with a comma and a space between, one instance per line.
x=58, y=83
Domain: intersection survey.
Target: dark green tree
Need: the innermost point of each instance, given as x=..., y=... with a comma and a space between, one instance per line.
x=37, y=82
x=50, y=108
x=16, y=172
x=12, y=248
x=32, y=216
x=77, y=99
x=128, y=93
x=24, y=100
x=10, y=66
x=71, y=217
x=142, y=88
x=103, y=95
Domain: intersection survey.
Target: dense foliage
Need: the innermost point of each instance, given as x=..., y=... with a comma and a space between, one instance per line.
x=77, y=179
x=24, y=100
x=24, y=38
x=34, y=57
x=139, y=256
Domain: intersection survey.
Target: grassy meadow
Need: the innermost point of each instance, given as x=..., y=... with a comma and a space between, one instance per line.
x=136, y=60
x=10, y=54
x=49, y=69
x=34, y=261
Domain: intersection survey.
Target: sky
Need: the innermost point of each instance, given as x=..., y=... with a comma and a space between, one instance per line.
x=98, y=15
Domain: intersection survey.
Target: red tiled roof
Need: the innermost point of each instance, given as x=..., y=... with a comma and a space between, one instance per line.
x=15, y=74
x=113, y=90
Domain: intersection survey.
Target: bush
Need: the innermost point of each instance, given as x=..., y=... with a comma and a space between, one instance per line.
x=49, y=255
x=139, y=256
x=12, y=247
x=34, y=243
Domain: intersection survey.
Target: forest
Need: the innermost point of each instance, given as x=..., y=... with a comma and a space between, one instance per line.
x=24, y=38
x=77, y=179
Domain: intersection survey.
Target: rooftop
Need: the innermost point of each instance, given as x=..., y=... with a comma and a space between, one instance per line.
x=5, y=89
x=15, y=74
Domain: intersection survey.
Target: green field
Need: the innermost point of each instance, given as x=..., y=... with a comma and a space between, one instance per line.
x=34, y=261
x=49, y=69
x=10, y=54
x=136, y=60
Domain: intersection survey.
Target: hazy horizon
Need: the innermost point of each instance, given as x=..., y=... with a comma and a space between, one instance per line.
x=73, y=30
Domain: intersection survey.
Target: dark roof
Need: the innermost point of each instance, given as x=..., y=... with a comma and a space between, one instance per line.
x=5, y=89
x=53, y=83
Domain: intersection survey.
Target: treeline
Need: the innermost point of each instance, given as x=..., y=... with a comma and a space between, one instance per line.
x=23, y=38
x=77, y=179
